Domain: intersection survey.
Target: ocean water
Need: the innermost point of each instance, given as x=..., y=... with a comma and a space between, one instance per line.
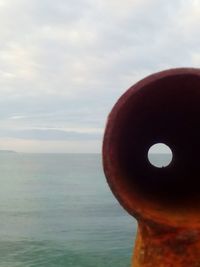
x=57, y=210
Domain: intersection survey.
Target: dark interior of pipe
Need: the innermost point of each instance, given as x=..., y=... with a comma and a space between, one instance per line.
x=165, y=111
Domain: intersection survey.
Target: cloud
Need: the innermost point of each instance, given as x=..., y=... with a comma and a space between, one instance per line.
x=40, y=146
x=50, y=134
x=64, y=64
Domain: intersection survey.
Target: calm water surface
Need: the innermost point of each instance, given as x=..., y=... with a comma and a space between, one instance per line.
x=57, y=210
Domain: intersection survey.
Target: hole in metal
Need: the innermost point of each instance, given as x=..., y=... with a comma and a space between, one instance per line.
x=160, y=155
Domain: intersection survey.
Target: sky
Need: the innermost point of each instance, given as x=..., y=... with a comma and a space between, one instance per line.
x=64, y=63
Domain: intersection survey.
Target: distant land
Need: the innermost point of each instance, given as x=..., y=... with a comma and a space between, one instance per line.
x=7, y=151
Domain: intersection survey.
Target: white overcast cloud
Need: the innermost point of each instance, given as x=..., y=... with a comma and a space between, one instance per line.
x=63, y=64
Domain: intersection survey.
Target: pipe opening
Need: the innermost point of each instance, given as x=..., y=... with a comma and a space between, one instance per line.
x=160, y=155
x=163, y=108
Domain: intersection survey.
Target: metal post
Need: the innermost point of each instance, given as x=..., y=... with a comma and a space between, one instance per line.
x=162, y=108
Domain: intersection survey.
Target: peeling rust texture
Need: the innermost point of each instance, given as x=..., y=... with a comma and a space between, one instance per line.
x=162, y=108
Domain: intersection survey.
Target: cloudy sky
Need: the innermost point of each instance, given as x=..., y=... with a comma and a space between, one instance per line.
x=64, y=63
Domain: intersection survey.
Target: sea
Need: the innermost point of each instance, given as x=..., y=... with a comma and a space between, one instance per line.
x=56, y=210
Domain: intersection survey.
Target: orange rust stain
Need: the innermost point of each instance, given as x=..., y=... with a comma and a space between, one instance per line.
x=172, y=248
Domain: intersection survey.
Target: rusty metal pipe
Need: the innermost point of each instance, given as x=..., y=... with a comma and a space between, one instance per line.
x=162, y=108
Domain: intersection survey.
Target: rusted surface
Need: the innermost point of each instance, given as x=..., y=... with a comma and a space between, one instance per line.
x=173, y=248
x=162, y=108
